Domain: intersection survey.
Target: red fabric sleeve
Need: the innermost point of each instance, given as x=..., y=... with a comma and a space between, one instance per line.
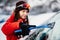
x=9, y=27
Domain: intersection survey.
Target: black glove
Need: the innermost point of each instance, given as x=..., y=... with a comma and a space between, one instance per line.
x=25, y=29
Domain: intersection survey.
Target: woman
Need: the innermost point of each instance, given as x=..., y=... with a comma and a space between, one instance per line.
x=20, y=15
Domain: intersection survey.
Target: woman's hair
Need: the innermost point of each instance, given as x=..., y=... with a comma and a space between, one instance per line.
x=17, y=9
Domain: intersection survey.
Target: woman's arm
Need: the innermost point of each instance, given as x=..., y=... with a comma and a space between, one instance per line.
x=9, y=27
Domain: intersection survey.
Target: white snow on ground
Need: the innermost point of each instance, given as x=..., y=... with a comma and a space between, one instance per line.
x=55, y=33
x=40, y=19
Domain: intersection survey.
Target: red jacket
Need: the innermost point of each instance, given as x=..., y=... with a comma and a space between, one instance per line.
x=9, y=27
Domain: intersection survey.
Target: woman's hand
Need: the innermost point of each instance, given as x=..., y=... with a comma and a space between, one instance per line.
x=25, y=29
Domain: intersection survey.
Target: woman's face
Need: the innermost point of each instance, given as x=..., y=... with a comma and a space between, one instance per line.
x=23, y=13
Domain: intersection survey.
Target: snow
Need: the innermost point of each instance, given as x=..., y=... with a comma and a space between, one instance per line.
x=55, y=33
x=40, y=19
